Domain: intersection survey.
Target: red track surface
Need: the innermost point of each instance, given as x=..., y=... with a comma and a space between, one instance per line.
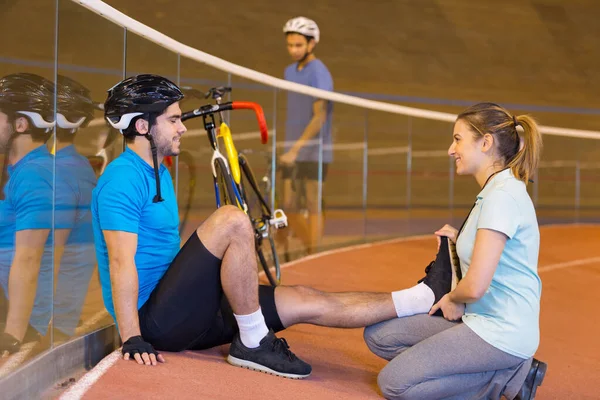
x=343, y=368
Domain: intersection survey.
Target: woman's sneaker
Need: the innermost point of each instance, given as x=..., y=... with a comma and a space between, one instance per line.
x=442, y=274
x=273, y=356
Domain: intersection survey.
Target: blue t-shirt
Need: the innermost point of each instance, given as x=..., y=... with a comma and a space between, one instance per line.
x=27, y=205
x=507, y=316
x=122, y=201
x=75, y=180
x=300, y=110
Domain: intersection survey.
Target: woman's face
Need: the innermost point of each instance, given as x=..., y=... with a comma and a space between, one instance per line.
x=467, y=151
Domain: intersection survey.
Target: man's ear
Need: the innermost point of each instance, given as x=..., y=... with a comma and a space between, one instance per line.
x=141, y=125
x=311, y=45
x=21, y=124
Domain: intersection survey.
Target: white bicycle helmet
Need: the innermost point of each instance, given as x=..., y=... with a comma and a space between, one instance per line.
x=303, y=26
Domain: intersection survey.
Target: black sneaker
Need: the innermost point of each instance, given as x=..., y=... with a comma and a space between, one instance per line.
x=271, y=357
x=443, y=274
x=535, y=376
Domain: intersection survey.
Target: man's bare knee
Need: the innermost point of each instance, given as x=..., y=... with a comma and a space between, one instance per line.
x=230, y=221
x=299, y=304
x=226, y=225
x=306, y=294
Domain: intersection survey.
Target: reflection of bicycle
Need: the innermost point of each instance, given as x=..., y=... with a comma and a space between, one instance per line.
x=187, y=160
x=234, y=181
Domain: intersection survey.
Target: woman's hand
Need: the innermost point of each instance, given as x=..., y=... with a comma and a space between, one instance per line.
x=452, y=311
x=448, y=231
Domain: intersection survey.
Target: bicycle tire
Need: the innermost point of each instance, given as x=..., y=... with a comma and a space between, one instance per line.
x=224, y=183
x=274, y=281
x=260, y=222
x=247, y=172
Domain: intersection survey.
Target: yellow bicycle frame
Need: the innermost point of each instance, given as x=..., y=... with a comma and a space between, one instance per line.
x=232, y=154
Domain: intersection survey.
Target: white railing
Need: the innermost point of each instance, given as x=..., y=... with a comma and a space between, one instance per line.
x=167, y=42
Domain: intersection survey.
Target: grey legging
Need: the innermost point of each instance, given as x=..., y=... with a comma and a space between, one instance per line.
x=432, y=358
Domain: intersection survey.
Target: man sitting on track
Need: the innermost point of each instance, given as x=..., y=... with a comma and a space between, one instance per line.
x=206, y=293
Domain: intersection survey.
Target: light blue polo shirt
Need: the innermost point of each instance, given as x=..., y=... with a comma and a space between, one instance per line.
x=300, y=110
x=507, y=316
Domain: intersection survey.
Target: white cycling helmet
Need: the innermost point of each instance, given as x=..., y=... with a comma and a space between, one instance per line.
x=303, y=26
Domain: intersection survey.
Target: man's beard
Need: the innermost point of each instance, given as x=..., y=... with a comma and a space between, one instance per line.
x=164, y=147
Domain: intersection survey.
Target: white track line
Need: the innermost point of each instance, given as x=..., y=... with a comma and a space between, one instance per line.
x=87, y=381
x=350, y=248
x=569, y=264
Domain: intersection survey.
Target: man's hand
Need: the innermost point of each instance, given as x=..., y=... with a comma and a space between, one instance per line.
x=142, y=351
x=452, y=311
x=8, y=344
x=448, y=231
x=289, y=158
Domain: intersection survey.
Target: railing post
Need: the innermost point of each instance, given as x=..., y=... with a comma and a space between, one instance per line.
x=365, y=174
x=577, y=189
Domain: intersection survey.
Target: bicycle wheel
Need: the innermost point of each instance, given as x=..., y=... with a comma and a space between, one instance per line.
x=260, y=215
x=271, y=267
x=224, y=191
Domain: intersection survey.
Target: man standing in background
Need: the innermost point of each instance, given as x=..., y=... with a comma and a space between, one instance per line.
x=307, y=133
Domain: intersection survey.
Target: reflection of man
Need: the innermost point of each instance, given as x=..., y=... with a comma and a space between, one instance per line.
x=26, y=107
x=75, y=179
x=308, y=126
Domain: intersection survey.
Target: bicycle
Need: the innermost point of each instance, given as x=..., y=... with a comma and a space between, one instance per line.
x=233, y=179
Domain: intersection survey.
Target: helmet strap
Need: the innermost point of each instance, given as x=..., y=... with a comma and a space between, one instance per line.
x=157, y=198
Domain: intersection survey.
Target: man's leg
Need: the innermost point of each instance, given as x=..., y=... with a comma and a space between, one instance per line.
x=184, y=309
x=229, y=236
x=316, y=218
x=184, y=304
x=302, y=304
x=296, y=221
x=299, y=304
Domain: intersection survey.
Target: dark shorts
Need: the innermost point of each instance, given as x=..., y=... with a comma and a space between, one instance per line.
x=188, y=309
x=304, y=170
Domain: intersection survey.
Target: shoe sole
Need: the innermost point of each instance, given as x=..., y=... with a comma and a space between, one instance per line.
x=237, y=362
x=540, y=373
x=454, y=264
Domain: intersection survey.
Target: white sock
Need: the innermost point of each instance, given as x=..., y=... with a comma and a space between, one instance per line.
x=415, y=300
x=252, y=328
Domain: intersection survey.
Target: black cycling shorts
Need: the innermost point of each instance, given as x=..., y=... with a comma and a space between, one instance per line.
x=188, y=309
